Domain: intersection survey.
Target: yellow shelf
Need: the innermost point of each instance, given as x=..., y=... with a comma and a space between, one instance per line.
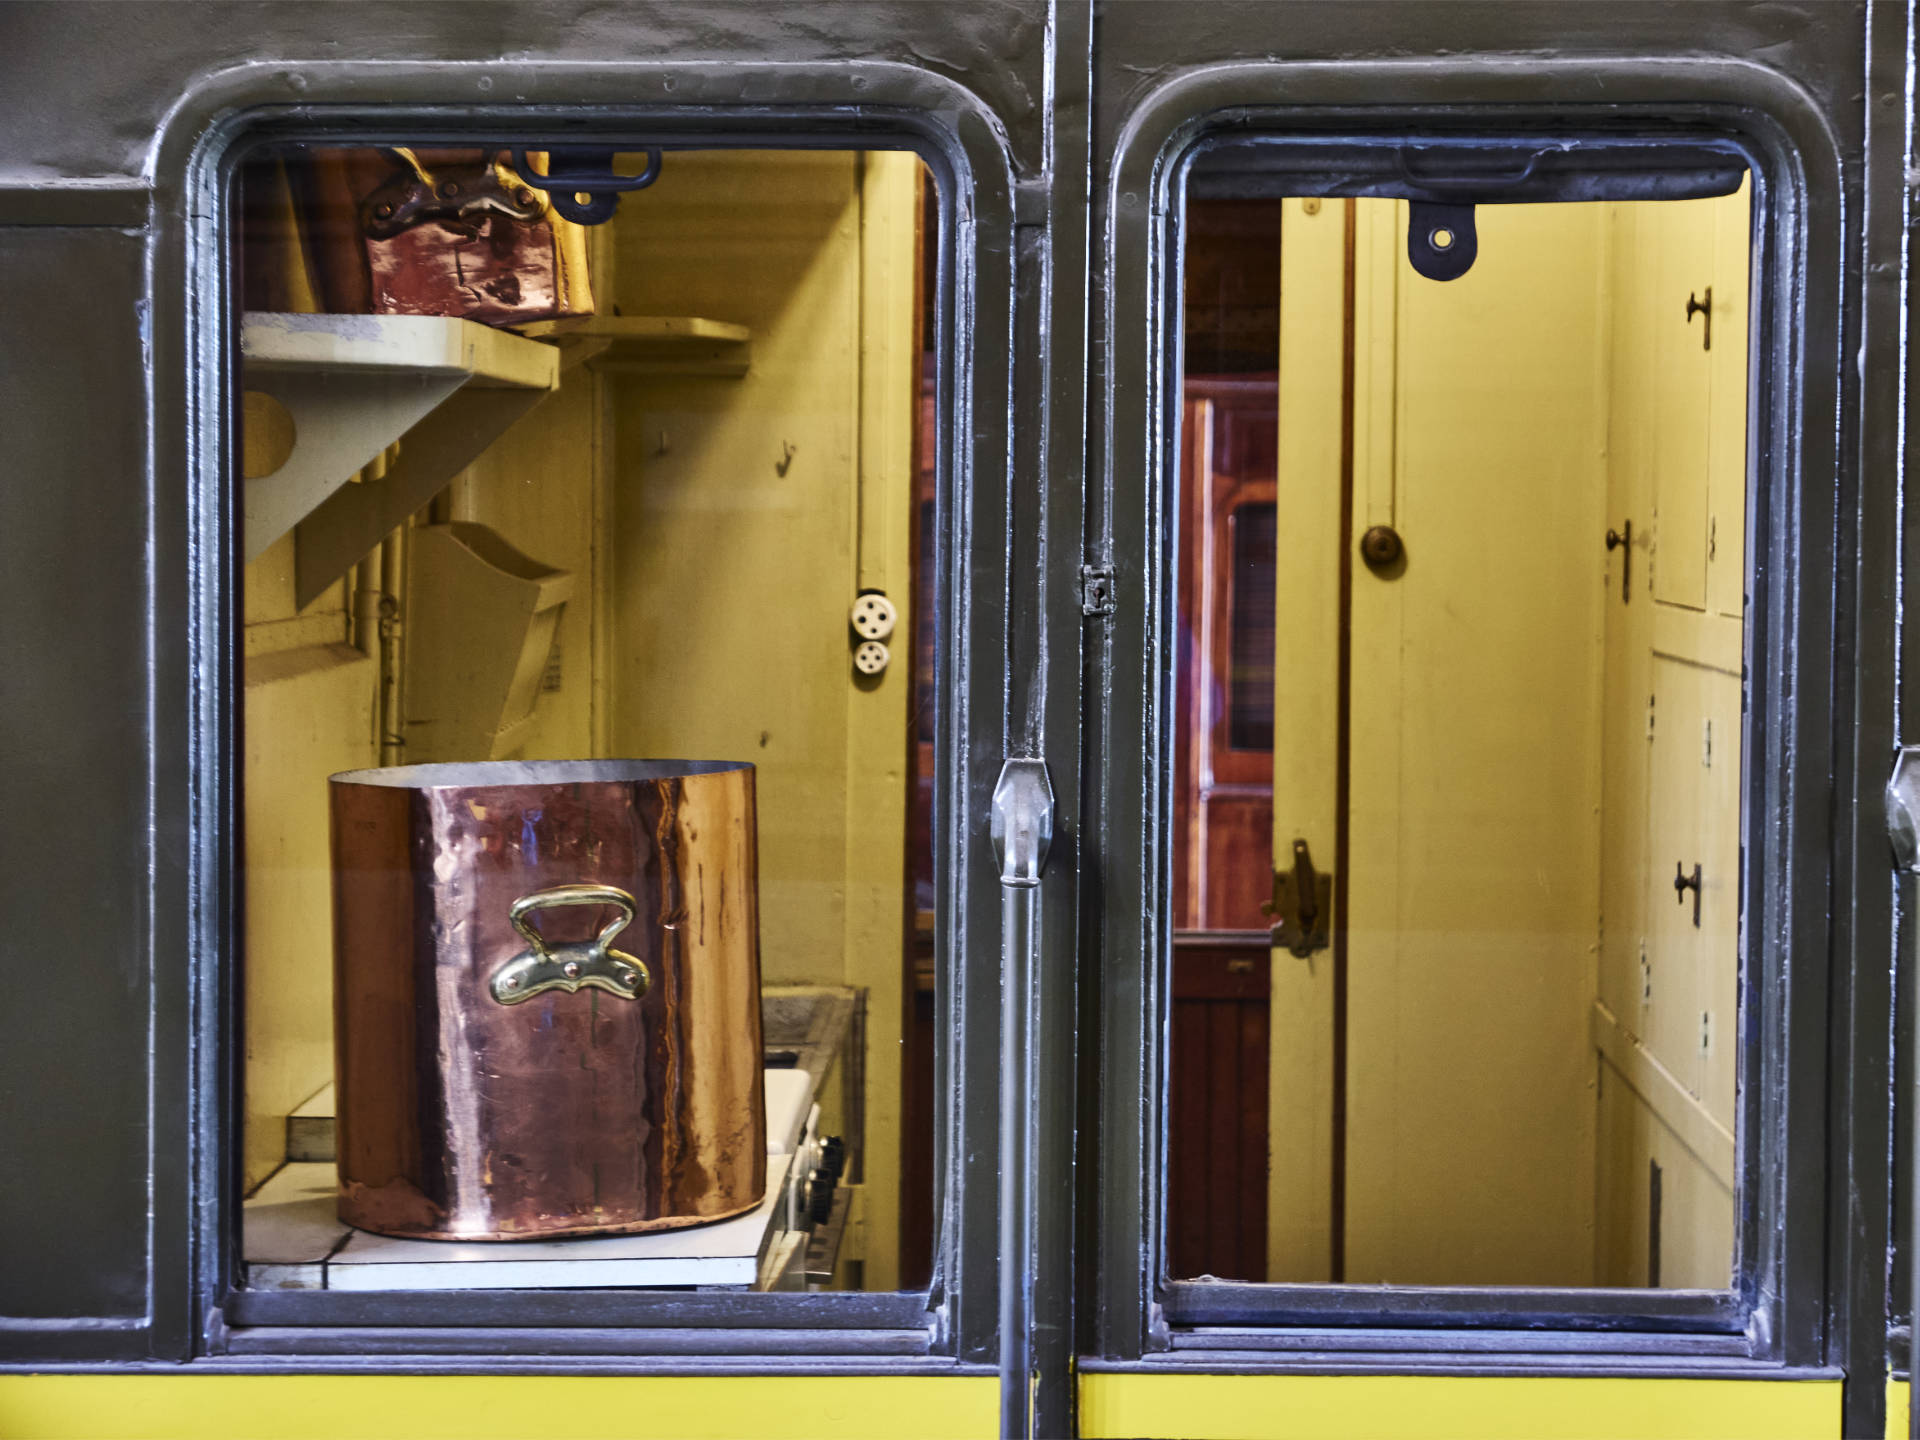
x=649, y=344
x=341, y=390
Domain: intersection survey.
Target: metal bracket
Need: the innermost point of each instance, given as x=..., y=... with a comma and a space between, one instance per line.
x=1903, y=809
x=1096, y=590
x=1022, y=822
x=1302, y=905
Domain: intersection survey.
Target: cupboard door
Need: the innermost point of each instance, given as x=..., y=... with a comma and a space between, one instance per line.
x=1681, y=234
x=1727, y=439
x=1674, y=834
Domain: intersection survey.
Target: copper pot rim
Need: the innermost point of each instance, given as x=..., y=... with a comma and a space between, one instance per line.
x=565, y=1232
x=519, y=774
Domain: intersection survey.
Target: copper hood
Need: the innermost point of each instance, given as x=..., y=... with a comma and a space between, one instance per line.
x=546, y=997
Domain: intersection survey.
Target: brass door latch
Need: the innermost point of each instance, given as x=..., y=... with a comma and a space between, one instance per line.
x=1302, y=905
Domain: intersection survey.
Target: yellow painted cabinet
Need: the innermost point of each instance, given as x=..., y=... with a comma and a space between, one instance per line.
x=1678, y=239
x=1666, y=1018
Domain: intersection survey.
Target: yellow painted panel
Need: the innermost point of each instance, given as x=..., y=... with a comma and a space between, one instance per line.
x=1293, y=1407
x=535, y=486
x=736, y=515
x=749, y=511
x=1897, y=1400
x=1679, y=239
x=466, y=1407
x=1306, y=663
x=309, y=713
x=1473, y=877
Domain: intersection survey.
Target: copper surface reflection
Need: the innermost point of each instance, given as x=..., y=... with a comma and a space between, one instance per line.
x=574, y=1111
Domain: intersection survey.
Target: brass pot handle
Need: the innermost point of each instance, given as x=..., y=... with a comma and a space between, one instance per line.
x=546, y=966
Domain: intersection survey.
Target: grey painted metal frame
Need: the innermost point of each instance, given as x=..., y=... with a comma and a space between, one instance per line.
x=1814, y=504
x=1006, y=407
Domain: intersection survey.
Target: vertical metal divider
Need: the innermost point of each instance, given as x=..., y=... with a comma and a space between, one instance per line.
x=1903, y=829
x=1031, y=1344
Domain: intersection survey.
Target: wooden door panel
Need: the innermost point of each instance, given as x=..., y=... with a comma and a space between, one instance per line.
x=1238, y=825
x=1217, y=1122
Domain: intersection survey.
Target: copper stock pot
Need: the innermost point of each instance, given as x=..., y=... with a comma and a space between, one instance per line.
x=546, y=997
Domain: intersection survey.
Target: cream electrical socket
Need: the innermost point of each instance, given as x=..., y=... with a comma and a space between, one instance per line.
x=871, y=657
x=873, y=616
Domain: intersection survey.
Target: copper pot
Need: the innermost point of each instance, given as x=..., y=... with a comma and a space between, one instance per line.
x=547, y=997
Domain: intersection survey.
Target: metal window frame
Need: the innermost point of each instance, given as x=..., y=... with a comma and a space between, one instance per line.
x=951, y=1326
x=1798, y=690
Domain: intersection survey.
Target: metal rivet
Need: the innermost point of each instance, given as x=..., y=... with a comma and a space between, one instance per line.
x=571, y=969
x=512, y=982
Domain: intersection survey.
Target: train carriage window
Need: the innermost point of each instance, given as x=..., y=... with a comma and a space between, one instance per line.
x=1462, y=588
x=589, y=648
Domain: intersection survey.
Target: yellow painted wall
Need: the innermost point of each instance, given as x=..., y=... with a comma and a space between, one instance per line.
x=466, y=1407
x=536, y=486
x=309, y=699
x=738, y=539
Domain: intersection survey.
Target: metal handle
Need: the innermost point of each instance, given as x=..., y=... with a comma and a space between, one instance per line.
x=1903, y=831
x=1683, y=882
x=574, y=171
x=1036, y=1125
x=568, y=966
x=1616, y=539
x=1702, y=307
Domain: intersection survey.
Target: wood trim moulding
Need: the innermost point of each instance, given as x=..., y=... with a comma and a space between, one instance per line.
x=1710, y=1141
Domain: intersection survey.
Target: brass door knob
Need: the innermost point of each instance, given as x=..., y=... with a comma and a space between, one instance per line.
x=1380, y=547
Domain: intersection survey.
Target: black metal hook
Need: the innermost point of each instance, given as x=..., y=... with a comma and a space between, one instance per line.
x=1441, y=239
x=1702, y=307
x=575, y=171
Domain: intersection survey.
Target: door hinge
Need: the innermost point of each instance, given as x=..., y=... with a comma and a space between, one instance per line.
x=1096, y=590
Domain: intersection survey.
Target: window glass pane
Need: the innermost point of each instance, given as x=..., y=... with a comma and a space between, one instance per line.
x=1458, y=834
x=1250, y=619
x=628, y=525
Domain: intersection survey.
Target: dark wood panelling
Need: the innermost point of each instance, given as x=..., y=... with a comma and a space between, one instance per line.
x=1217, y=1142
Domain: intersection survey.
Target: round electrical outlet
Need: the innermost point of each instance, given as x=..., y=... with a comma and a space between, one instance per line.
x=871, y=658
x=872, y=617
